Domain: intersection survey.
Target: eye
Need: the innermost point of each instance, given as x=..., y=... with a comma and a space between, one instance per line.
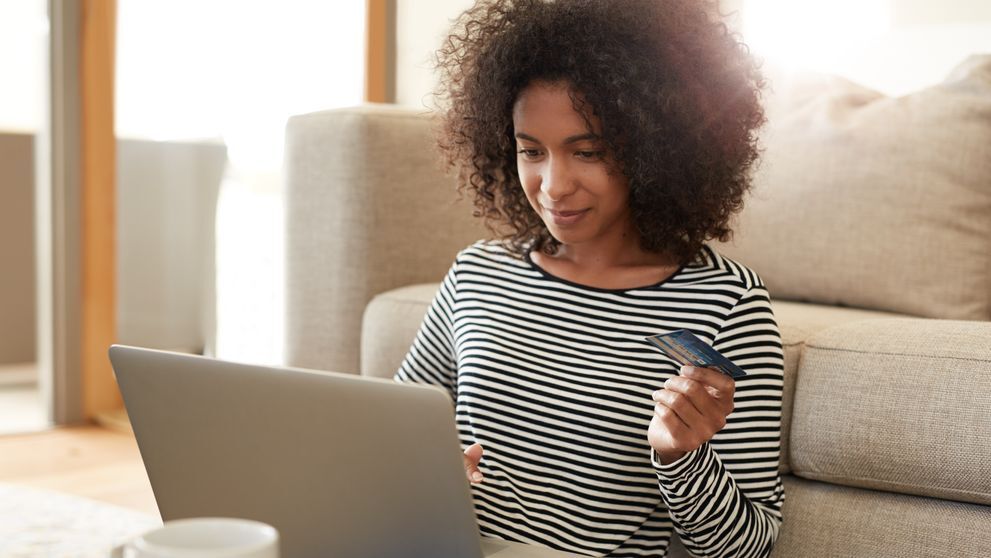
x=529, y=153
x=590, y=155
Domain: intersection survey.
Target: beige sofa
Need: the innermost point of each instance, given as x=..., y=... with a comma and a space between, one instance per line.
x=871, y=225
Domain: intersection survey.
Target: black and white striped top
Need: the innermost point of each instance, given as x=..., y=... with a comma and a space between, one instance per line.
x=554, y=379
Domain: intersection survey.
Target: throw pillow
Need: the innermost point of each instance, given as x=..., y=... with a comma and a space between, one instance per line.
x=877, y=202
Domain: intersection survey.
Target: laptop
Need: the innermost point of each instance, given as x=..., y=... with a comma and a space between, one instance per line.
x=341, y=465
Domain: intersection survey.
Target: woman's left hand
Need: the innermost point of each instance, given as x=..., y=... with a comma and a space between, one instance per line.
x=689, y=410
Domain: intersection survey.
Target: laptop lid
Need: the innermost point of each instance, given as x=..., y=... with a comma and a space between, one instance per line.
x=341, y=465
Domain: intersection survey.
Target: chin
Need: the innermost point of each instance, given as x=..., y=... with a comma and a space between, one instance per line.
x=566, y=236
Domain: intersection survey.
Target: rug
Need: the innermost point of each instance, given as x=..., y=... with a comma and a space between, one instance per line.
x=36, y=523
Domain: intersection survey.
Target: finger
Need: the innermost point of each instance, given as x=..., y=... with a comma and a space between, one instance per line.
x=473, y=453
x=680, y=405
x=697, y=394
x=474, y=475
x=722, y=383
x=721, y=386
x=667, y=430
x=472, y=456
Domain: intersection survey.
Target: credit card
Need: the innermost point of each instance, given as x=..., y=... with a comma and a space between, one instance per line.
x=684, y=347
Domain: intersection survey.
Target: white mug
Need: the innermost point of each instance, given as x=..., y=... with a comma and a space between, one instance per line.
x=204, y=537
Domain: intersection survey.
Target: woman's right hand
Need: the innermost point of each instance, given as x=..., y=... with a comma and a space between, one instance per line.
x=473, y=455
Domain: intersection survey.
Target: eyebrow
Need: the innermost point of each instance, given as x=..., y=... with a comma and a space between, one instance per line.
x=567, y=140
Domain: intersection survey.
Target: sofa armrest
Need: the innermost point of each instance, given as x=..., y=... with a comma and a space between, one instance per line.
x=368, y=209
x=389, y=327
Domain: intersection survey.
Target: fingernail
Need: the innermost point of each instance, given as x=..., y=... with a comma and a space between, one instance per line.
x=476, y=476
x=686, y=369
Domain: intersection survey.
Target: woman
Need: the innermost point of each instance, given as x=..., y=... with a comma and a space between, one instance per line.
x=605, y=142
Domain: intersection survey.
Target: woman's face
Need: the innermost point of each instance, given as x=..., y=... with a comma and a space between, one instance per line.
x=565, y=169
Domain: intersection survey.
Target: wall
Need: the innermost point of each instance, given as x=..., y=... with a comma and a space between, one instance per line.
x=922, y=39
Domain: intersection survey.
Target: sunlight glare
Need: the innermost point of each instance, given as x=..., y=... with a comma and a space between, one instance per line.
x=812, y=34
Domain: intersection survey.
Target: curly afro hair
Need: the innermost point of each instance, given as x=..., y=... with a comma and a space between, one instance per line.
x=677, y=95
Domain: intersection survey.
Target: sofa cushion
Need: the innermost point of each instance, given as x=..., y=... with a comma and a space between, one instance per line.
x=392, y=319
x=876, y=202
x=897, y=404
x=797, y=322
x=826, y=520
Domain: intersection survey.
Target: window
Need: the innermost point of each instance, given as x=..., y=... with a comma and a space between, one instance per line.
x=224, y=72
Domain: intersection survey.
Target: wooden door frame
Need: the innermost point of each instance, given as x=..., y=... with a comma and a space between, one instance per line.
x=380, y=51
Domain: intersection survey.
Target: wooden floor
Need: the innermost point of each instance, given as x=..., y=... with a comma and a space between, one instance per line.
x=89, y=461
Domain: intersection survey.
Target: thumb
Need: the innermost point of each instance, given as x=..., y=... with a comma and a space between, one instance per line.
x=473, y=454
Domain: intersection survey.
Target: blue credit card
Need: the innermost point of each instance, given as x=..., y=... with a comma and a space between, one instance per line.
x=684, y=347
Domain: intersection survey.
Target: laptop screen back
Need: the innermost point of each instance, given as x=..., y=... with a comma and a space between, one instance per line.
x=341, y=465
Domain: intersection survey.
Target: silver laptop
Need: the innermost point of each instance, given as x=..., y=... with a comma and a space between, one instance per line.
x=341, y=465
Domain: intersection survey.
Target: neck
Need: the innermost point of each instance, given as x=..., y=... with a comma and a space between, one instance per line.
x=610, y=253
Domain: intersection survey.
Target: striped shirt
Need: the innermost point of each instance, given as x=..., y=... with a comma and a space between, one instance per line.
x=554, y=379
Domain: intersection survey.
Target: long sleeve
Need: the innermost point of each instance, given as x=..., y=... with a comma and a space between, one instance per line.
x=725, y=497
x=431, y=359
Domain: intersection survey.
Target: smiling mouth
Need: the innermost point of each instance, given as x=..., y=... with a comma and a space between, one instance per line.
x=566, y=217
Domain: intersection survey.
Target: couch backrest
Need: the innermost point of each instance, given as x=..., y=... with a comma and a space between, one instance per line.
x=369, y=209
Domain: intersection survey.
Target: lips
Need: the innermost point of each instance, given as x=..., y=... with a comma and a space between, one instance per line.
x=566, y=217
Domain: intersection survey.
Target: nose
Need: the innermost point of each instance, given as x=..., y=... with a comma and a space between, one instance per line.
x=556, y=182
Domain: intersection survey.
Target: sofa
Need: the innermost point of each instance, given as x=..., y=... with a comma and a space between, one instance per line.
x=870, y=222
